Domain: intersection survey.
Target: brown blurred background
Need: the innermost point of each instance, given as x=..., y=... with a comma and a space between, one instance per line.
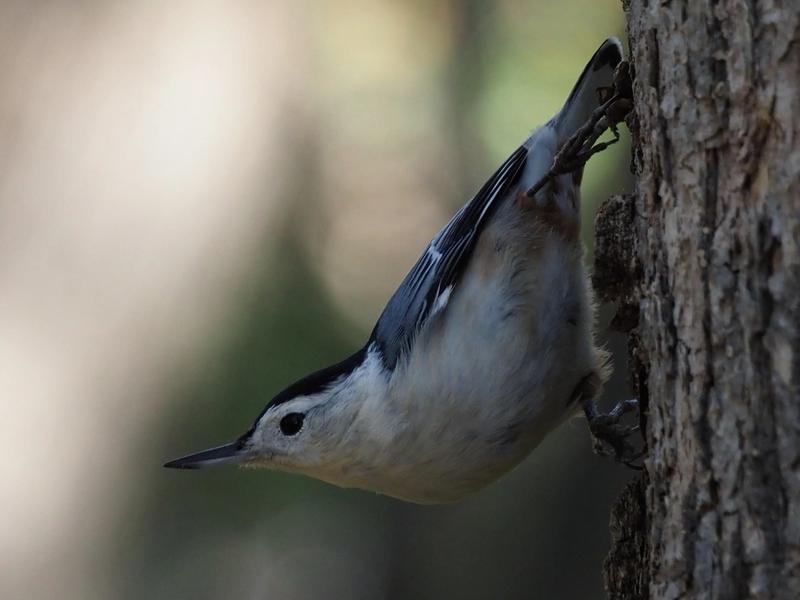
x=199, y=202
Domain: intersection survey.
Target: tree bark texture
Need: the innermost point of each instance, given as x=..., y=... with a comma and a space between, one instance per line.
x=705, y=263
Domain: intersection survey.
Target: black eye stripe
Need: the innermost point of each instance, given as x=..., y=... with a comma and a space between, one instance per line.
x=292, y=423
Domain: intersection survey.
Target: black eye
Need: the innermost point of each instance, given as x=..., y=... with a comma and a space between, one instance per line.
x=292, y=423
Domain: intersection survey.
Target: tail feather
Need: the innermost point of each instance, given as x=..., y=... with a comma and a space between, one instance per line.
x=598, y=73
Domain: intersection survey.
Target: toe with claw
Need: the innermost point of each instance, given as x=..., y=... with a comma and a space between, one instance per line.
x=615, y=103
x=608, y=432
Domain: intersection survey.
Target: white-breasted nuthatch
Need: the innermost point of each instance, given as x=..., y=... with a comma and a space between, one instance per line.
x=487, y=345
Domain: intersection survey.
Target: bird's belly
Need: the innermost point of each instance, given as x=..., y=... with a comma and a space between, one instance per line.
x=491, y=379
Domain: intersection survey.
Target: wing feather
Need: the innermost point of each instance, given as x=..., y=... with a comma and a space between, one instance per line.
x=428, y=286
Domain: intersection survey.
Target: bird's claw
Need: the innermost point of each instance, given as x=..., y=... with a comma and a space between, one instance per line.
x=615, y=104
x=611, y=437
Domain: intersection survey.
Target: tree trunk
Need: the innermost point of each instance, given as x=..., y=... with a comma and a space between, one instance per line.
x=705, y=263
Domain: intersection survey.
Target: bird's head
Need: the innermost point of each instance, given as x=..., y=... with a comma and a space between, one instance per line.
x=300, y=430
x=289, y=436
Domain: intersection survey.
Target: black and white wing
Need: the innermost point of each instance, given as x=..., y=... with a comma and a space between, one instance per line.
x=426, y=289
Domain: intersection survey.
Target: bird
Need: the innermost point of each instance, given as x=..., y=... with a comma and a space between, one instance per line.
x=487, y=345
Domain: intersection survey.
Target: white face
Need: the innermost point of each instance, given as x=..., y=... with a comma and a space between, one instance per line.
x=321, y=434
x=287, y=437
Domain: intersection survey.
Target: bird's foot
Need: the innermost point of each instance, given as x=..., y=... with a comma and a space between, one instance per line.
x=615, y=104
x=610, y=436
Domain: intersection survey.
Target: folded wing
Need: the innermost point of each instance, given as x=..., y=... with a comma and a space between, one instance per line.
x=426, y=289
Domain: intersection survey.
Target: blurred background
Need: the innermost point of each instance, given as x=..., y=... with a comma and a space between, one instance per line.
x=201, y=201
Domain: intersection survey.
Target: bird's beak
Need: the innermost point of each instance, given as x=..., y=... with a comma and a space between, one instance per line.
x=232, y=453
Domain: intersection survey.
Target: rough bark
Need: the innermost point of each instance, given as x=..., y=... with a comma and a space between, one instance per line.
x=711, y=296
